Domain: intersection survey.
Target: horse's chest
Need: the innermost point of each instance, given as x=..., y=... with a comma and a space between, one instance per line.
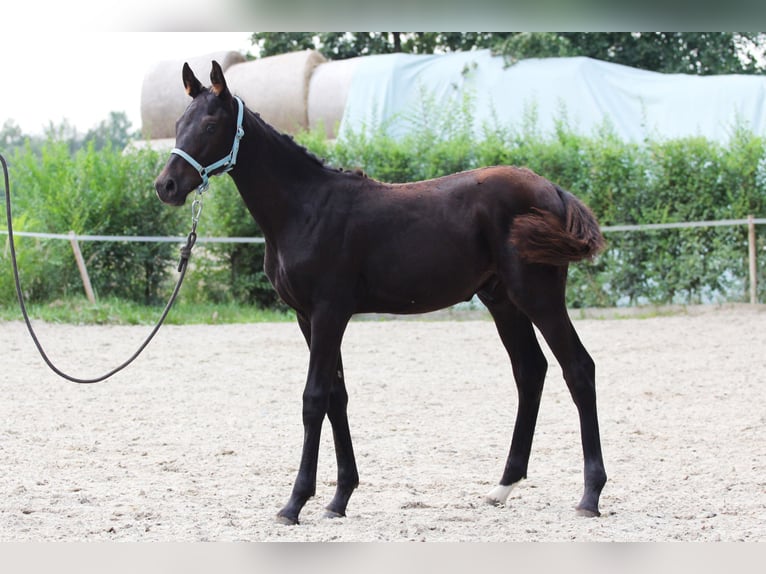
x=292, y=277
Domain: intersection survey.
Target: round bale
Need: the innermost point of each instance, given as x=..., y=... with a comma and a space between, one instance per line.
x=163, y=98
x=277, y=87
x=328, y=92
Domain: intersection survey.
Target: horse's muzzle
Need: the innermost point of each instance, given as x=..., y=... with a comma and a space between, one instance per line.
x=168, y=190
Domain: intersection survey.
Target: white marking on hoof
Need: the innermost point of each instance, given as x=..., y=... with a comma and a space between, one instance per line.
x=498, y=495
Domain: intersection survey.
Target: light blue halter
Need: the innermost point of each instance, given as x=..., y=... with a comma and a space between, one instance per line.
x=227, y=162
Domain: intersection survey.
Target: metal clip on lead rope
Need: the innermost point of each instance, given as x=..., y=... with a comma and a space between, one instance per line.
x=192, y=237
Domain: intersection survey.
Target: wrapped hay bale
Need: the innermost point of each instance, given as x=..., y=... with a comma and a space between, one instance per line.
x=163, y=98
x=277, y=87
x=328, y=91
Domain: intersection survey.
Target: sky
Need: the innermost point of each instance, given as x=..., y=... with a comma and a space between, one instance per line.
x=83, y=76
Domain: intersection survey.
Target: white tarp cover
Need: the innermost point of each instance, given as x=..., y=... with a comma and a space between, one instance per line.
x=386, y=89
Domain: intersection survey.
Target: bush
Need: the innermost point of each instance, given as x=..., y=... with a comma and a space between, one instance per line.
x=654, y=181
x=94, y=193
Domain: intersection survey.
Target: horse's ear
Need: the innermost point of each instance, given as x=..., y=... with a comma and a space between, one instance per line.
x=218, y=81
x=191, y=83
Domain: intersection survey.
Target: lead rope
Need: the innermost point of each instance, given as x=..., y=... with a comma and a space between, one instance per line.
x=182, y=266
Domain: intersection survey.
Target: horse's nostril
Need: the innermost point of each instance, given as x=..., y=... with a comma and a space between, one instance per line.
x=165, y=186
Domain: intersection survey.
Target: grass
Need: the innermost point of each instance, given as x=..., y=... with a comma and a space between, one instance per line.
x=79, y=311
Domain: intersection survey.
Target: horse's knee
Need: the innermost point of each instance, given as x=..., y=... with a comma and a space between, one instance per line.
x=315, y=406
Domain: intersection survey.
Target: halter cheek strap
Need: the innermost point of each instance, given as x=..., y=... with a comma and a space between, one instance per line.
x=227, y=163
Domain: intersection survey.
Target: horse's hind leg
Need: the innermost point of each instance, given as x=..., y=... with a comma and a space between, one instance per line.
x=580, y=375
x=540, y=292
x=529, y=368
x=348, y=477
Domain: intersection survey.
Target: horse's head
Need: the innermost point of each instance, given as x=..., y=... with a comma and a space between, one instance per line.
x=204, y=136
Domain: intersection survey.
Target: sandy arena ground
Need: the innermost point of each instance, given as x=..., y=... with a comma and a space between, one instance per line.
x=200, y=439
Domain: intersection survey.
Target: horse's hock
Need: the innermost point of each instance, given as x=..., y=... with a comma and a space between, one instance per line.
x=292, y=92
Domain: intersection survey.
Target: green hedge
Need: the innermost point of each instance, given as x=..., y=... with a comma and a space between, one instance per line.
x=91, y=192
x=654, y=181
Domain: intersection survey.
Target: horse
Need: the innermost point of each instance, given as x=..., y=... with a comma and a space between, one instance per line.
x=340, y=243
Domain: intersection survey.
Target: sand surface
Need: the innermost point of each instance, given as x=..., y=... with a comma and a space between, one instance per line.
x=200, y=439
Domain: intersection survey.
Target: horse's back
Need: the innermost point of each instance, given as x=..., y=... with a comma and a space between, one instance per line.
x=508, y=188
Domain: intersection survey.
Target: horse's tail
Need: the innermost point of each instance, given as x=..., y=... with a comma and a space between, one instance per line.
x=542, y=237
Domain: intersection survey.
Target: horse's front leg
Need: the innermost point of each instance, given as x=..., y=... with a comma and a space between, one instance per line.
x=348, y=476
x=326, y=333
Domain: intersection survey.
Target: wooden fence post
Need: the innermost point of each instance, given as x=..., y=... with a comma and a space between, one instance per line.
x=752, y=259
x=81, y=266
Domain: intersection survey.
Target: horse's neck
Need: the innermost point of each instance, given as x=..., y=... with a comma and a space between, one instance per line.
x=273, y=176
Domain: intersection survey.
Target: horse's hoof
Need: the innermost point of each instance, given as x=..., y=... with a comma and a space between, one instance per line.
x=286, y=520
x=587, y=512
x=498, y=495
x=494, y=502
x=332, y=514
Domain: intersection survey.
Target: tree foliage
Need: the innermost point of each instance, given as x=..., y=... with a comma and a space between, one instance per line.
x=672, y=52
x=97, y=192
x=115, y=131
x=342, y=45
x=702, y=53
x=11, y=136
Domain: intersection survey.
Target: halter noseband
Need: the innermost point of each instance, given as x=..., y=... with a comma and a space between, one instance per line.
x=227, y=162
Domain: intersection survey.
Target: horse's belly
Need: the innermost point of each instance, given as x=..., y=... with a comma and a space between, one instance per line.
x=417, y=285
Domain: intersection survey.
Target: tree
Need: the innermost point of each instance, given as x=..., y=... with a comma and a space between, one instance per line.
x=113, y=131
x=702, y=53
x=61, y=132
x=11, y=136
x=342, y=45
x=273, y=43
x=672, y=52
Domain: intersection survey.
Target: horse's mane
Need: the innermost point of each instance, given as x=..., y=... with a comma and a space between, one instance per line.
x=289, y=142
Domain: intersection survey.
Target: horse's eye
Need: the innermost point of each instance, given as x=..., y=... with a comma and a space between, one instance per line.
x=210, y=128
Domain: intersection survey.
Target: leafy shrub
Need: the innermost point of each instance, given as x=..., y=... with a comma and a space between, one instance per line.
x=654, y=181
x=95, y=193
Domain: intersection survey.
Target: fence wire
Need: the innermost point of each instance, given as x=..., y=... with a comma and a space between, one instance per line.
x=165, y=239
